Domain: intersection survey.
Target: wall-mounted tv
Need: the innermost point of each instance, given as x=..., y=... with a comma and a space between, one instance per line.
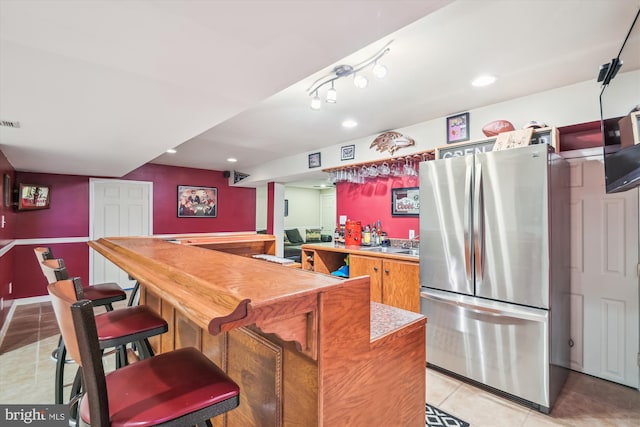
x=32, y=196
x=621, y=147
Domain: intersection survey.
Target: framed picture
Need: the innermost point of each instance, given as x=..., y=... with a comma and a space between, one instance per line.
x=405, y=201
x=6, y=190
x=348, y=152
x=286, y=207
x=32, y=197
x=458, y=128
x=197, y=202
x=314, y=160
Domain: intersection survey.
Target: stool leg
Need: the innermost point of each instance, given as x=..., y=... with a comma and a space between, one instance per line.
x=144, y=349
x=121, y=357
x=134, y=298
x=59, y=380
x=75, y=396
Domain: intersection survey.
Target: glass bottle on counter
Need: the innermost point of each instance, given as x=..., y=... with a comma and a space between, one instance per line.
x=366, y=236
x=375, y=238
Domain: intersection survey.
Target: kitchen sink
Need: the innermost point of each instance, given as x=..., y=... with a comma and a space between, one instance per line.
x=392, y=250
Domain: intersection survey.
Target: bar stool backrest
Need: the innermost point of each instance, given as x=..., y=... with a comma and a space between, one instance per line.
x=78, y=328
x=54, y=270
x=43, y=253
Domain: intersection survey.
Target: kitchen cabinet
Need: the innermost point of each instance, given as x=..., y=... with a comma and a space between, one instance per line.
x=395, y=283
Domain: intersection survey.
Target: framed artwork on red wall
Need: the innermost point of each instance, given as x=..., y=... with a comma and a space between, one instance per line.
x=32, y=197
x=405, y=201
x=197, y=202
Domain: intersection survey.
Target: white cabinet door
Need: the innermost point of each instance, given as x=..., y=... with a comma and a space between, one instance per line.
x=118, y=208
x=604, y=276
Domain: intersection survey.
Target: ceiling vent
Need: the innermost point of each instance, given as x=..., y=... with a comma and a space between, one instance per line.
x=8, y=124
x=237, y=177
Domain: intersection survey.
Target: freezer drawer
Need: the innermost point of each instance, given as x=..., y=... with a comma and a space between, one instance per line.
x=497, y=344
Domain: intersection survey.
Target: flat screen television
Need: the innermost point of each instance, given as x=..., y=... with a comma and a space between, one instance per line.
x=620, y=146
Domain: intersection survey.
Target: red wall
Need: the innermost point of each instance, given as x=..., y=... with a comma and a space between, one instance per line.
x=371, y=202
x=236, y=206
x=68, y=217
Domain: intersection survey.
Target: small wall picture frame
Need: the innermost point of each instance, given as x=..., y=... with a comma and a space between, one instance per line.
x=405, y=201
x=348, y=152
x=32, y=197
x=458, y=128
x=314, y=160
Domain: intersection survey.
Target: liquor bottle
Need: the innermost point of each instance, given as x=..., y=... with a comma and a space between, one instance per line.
x=366, y=236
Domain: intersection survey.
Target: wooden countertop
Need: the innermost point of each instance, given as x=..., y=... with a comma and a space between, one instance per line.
x=358, y=250
x=218, y=292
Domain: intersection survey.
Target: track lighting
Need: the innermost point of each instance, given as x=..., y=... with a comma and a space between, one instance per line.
x=315, y=102
x=360, y=81
x=344, y=70
x=379, y=70
x=332, y=95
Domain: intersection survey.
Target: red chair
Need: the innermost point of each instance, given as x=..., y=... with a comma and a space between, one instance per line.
x=178, y=388
x=116, y=328
x=101, y=294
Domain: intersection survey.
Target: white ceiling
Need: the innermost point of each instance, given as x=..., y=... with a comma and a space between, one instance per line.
x=102, y=87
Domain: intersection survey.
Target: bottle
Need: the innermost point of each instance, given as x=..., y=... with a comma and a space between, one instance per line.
x=375, y=239
x=336, y=235
x=366, y=236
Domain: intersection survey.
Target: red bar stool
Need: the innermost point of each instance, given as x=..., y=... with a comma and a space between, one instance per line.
x=178, y=388
x=101, y=294
x=116, y=328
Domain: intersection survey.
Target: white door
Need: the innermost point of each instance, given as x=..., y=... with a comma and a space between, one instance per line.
x=118, y=208
x=604, y=276
x=328, y=212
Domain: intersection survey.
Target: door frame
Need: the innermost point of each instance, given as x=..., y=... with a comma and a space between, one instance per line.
x=92, y=199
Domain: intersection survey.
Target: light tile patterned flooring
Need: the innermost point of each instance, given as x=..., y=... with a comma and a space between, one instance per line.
x=27, y=372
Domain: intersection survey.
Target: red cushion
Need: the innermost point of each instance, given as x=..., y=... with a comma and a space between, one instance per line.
x=163, y=388
x=127, y=321
x=104, y=291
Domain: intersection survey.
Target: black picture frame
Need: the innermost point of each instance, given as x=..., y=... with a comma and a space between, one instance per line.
x=286, y=207
x=197, y=201
x=6, y=190
x=348, y=152
x=458, y=128
x=33, y=197
x=314, y=160
x=405, y=201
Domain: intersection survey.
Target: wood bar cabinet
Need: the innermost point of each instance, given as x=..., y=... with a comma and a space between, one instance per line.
x=307, y=349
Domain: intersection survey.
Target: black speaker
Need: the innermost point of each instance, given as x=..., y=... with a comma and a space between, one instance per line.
x=226, y=174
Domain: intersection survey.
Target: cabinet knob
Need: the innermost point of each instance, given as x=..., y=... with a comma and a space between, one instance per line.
x=386, y=270
x=375, y=269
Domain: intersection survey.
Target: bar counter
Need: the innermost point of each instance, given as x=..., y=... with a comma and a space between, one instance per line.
x=306, y=348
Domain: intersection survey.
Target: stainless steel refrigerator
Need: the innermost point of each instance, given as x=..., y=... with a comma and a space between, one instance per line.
x=494, y=247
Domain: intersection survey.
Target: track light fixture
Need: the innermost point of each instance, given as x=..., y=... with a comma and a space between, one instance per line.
x=345, y=70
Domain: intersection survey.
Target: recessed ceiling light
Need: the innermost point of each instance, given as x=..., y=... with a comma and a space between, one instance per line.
x=349, y=123
x=484, y=80
x=171, y=151
x=232, y=160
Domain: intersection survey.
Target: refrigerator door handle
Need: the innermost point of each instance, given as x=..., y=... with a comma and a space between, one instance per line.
x=478, y=225
x=467, y=222
x=488, y=311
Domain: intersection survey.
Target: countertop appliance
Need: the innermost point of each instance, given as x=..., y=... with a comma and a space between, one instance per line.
x=494, y=269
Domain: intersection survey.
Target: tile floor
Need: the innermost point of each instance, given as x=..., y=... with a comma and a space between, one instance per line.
x=27, y=371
